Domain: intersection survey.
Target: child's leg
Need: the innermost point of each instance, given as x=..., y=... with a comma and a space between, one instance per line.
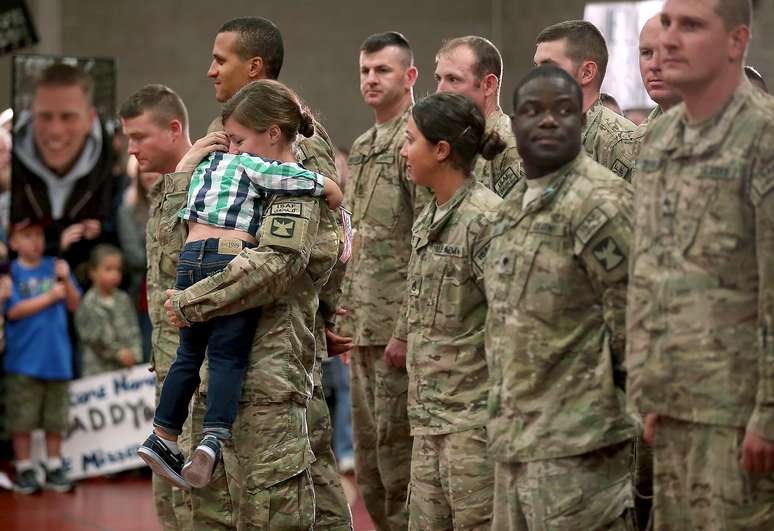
x=54, y=445
x=22, y=446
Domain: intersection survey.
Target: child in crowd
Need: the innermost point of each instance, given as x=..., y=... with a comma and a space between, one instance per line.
x=106, y=321
x=38, y=355
x=226, y=198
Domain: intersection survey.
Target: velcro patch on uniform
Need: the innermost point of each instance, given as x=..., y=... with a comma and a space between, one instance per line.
x=356, y=158
x=717, y=173
x=506, y=182
x=447, y=249
x=387, y=158
x=551, y=229
x=608, y=254
x=620, y=168
x=648, y=165
x=283, y=227
x=286, y=209
x=594, y=221
x=504, y=265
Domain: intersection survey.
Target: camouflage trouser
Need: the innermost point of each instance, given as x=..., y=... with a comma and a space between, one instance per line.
x=173, y=505
x=264, y=481
x=332, y=509
x=700, y=483
x=592, y=491
x=381, y=436
x=643, y=484
x=452, y=482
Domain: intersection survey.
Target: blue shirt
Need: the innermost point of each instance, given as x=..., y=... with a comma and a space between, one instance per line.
x=38, y=345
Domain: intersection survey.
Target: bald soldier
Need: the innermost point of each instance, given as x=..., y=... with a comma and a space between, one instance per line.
x=248, y=49
x=384, y=205
x=701, y=304
x=579, y=49
x=473, y=66
x=650, y=70
x=555, y=274
x=155, y=122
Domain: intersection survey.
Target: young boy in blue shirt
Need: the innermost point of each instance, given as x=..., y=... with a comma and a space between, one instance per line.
x=38, y=355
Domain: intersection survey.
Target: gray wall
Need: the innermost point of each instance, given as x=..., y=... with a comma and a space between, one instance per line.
x=169, y=41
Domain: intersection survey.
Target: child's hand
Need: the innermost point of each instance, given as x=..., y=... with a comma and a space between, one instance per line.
x=126, y=357
x=5, y=288
x=333, y=194
x=215, y=141
x=58, y=291
x=62, y=270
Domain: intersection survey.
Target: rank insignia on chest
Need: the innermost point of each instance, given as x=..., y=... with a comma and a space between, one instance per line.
x=608, y=254
x=283, y=227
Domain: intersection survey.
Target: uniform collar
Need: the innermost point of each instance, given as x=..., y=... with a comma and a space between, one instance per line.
x=390, y=130
x=713, y=130
x=426, y=229
x=592, y=116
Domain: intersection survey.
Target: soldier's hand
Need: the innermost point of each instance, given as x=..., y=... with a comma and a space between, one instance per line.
x=126, y=357
x=215, y=141
x=649, y=435
x=171, y=317
x=333, y=194
x=757, y=454
x=395, y=353
x=337, y=344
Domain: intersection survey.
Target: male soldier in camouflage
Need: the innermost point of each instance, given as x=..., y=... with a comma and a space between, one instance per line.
x=650, y=70
x=555, y=277
x=155, y=122
x=701, y=304
x=452, y=475
x=248, y=49
x=579, y=48
x=473, y=66
x=384, y=204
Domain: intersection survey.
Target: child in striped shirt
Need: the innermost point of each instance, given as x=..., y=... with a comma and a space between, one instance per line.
x=247, y=163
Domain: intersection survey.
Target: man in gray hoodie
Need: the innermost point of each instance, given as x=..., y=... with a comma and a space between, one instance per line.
x=62, y=159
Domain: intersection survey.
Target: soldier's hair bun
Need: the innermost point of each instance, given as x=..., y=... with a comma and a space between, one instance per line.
x=306, y=126
x=491, y=145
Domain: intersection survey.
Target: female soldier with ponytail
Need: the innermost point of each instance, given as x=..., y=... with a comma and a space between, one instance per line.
x=451, y=474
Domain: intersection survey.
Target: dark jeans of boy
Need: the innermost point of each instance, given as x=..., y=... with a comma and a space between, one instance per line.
x=227, y=341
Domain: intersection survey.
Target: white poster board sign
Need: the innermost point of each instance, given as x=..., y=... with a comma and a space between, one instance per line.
x=621, y=23
x=111, y=414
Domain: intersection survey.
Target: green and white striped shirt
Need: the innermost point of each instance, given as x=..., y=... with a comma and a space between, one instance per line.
x=230, y=191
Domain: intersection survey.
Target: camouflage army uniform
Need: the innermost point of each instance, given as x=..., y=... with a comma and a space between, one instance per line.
x=701, y=310
x=452, y=475
x=608, y=140
x=555, y=275
x=504, y=171
x=384, y=203
x=266, y=464
x=165, y=236
x=105, y=328
x=331, y=508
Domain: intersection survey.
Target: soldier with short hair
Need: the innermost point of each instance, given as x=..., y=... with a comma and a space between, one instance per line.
x=155, y=122
x=555, y=272
x=473, y=66
x=579, y=48
x=701, y=305
x=384, y=205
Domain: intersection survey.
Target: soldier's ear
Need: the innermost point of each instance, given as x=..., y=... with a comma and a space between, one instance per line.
x=587, y=73
x=255, y=67
x=738, y=40
x=442, y=151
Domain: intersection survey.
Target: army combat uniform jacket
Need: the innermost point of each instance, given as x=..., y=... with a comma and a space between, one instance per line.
x=608, y=140
x=504, y=171
x=384, y=205
x=445, y=314
x=556, y=274
x=701, y=300
x=105, y=328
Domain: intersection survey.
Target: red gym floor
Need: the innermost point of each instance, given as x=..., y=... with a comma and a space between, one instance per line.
x=122, y=504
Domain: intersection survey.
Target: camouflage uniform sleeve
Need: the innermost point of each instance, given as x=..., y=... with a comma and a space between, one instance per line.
x=480, y=234
x=400, y=331
x=261, y=275
x=762, y=196
x=603, y=237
